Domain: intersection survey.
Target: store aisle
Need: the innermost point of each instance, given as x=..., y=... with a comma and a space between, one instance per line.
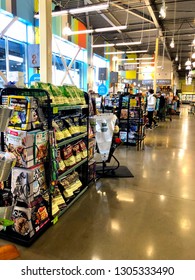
x=150, y=216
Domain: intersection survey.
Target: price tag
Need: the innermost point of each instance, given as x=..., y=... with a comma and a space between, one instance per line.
x=55, y=220
x=55, y=110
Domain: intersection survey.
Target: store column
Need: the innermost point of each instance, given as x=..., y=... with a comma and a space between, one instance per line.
x=155, y=64
x=45, y=9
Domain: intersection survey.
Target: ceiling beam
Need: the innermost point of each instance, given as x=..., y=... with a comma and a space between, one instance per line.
x=136, y=14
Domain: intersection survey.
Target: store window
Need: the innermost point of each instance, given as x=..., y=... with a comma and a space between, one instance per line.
x=62, y=74
x=16, y=56
x=2, y=62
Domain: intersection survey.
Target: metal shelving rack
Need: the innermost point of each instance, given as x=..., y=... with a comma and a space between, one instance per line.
x=132, y=124
x=50, y=112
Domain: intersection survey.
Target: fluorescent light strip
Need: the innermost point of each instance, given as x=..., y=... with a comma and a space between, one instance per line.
x=89, y=8
x=112, y=28
x=144, y=58
x=139, y=51
x=129, y=43
x=132, y=63
x=54, y=14
x=114, y=52
x=146, y=63
x=87, y=31
x=126, y=59
x=85, y=9
x=102, y=45
x=145, y=67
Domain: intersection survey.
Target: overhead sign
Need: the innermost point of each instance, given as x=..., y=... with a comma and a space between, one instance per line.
x=102, y=90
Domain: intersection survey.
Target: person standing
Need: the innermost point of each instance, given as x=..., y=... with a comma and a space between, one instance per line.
x=151, y=104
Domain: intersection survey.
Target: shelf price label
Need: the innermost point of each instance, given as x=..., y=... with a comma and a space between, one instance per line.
x=55, y=110
x=55, y=220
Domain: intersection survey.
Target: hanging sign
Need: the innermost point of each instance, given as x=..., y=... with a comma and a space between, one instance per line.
x=35, y=78
x=102, y=90
x=104, y=133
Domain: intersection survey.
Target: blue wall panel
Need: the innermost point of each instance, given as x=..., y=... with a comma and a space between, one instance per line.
x=3, y=4
x=25, y=10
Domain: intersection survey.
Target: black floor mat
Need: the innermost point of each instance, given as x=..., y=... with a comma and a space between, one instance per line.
x=120, y=172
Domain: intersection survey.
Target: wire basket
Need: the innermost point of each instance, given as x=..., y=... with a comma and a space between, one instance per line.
x=5, y=166
x=5, y=115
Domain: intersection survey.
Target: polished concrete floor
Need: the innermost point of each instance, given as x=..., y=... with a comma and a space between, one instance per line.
x=149, y=216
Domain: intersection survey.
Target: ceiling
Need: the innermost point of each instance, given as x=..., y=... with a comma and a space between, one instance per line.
x=143, y=23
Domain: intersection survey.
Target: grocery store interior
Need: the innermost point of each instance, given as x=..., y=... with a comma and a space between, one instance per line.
x=97, y=124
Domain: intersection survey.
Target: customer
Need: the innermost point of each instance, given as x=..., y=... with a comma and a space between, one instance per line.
x=162, y=107
x=151, y=104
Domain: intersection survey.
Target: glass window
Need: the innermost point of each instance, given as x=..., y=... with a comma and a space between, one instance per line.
x=2, y=61
x=74, y=74
x=16, y=56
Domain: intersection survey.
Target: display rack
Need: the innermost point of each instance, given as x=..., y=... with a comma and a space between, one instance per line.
x=64, y=187
x=131, y=123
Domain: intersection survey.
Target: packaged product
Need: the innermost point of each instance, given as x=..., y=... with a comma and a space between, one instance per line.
x=68, y=94
x=61, y=163
x=46, y=87
x=21, y=144
x=58, y=95
x=22, y=221
x=68, y=157
x=76, y=152
x=71, y=126
x=27, y=184
x=83, y=149
x=76, y=121
x=22, y=112
x=39, y=214
x=41, y=145
x=83, y=123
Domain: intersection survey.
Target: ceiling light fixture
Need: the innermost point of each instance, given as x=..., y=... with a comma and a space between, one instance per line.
x=111, y=28
x=87, y=31
x=145, y=58
x=115, y=58
x=193, y=55
x=162, y=12
x=120, y=52
x=172, y=44
x=132, y=63
x=102, y=45
x=188, y=67
x=193, y=42
x=138, y=51
x=179, y=66
x=188, y=62
x=66, y=30
x=193, y=64
x=88, y=8
x=129, y=43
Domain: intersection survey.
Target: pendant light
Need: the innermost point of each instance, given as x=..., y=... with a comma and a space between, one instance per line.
x=162, y=12
x=188, y=62
x=172, y=44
